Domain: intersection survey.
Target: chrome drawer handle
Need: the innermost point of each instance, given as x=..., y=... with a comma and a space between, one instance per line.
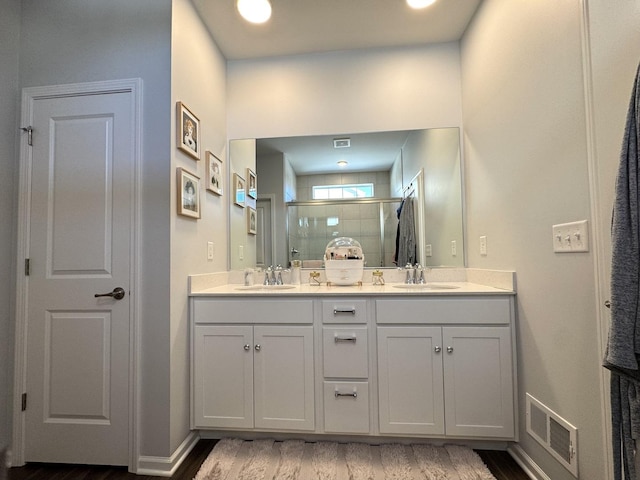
x=257, y=347
x=247, y=347
x=344, y=339
x=338, y=311
x=449, y=349
x=438, y=349
x=338, y=394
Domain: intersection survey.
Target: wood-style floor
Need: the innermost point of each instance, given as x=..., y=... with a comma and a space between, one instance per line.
x=500, y=463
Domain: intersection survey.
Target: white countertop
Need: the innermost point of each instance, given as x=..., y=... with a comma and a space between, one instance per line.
x=463, y=281
x=367, y=289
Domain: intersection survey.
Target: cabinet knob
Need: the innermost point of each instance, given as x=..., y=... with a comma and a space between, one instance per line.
x=257, y=347
x=449, y=349
x=247, y=347
x=438, y=349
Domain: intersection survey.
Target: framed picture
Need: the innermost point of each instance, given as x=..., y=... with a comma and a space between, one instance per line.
x=253, y=184
x=188, y=194
x=251, y=221
x=188, y=128
x=214, y=173
x=238, y=187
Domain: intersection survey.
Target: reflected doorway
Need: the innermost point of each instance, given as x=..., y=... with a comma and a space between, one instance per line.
x=265, y=241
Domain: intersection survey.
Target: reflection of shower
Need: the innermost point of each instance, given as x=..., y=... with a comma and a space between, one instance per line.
x=372, y=222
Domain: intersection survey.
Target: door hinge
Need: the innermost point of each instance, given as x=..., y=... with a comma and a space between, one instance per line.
x=29, y=131
x=27, y=266
x=24, y=402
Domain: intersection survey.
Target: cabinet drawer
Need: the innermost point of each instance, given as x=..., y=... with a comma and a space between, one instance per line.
x=346, y=407
x=344, y=311
x=486, y=310
x=271, y=310
x=345, y=352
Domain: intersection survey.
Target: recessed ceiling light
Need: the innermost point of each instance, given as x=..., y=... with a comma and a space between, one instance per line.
x=342, y=163
x=254, y=11
x=417, y=4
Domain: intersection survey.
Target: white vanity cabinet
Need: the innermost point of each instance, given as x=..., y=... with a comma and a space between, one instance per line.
x=445, y=367
x=250, y=375
x=374, y=363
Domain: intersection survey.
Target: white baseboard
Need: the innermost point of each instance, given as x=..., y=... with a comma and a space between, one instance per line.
x=167, y=466
x=527, y=464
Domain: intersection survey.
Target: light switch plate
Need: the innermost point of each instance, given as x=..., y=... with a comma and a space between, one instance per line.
x=210, y=250
x=571, y=237
x=483, y=245
x=428, y=251
x=454, y=248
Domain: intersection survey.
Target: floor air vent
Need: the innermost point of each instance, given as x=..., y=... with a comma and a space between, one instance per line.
x=554, y=433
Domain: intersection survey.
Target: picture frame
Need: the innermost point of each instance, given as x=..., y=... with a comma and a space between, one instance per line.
x=215, y=173
x=188, y=131
x=252, y=221
x=239, y=190
x=188, y=193
x=252, y=187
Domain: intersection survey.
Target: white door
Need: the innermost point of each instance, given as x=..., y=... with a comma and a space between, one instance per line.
x=223, y=376
x=410, y=382
x=283, y=377
x=478, y=381
x=264, y=232
x=77, y=370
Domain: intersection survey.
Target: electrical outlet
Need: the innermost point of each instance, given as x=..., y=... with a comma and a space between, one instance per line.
x=428, y=250
x=454, y=248
x=210, y=250
x=240, y=252
x=483, y=245
x=571, y=237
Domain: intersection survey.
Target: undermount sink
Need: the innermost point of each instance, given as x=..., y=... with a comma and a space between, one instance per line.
x=265, y=287
x=426, y=286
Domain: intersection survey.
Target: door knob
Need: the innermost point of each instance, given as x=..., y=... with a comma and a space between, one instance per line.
x=117, y=294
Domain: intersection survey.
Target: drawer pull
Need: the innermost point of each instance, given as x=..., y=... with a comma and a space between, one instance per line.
x=449, y=349
x=344, y=339
x=247, y=347
x=339, y=311
x=438, y=349
x=353, y=394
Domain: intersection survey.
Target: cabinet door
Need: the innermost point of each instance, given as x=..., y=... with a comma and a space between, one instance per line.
x=410, y=385
x=283, y=362
x=478, y=381
x=223, y=376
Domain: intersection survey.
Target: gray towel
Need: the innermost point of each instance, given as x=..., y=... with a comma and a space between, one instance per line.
x=407, y=234
x=623, y=346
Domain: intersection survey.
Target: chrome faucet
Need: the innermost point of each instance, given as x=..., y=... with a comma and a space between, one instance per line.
x=268, y=276
x=418, y=274
x=410, y=277
x=277, y=276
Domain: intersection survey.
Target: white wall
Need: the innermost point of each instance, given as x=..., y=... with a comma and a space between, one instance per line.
x=198, y=79
x=526, y=169
x=356, y=91
x=69, y=41
x=437, y=152
x=242, y=155
x=9, y=43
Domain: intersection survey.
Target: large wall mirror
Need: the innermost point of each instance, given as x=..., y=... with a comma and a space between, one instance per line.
x=306, y=196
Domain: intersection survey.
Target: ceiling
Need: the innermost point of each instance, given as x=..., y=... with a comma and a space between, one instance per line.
x=313, y=26
x=301, y=27
x=316, y=154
